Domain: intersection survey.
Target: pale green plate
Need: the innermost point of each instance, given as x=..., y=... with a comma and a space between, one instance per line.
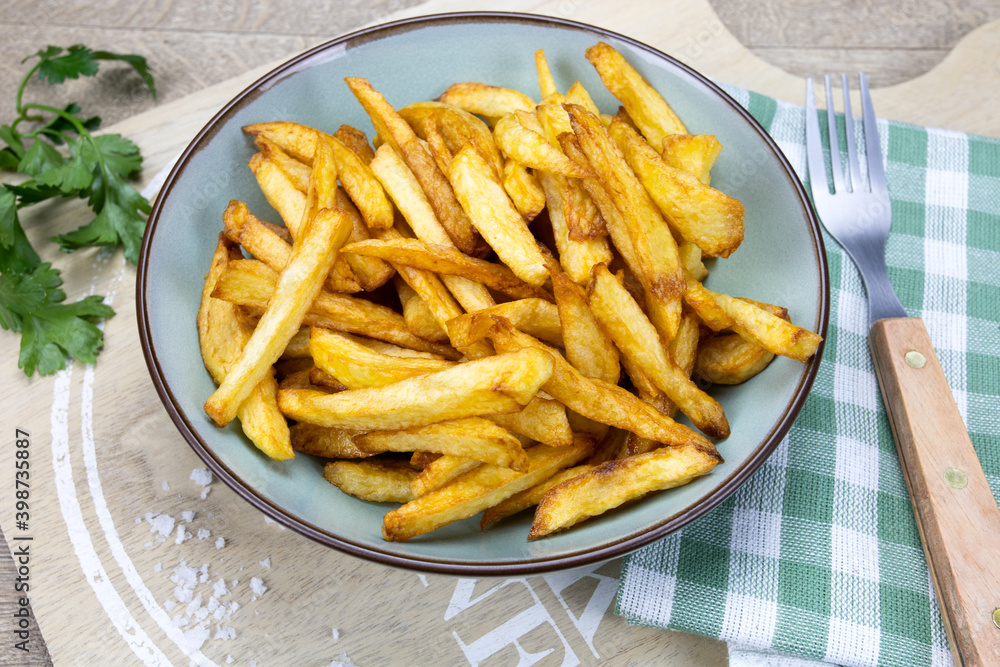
x=780, y=261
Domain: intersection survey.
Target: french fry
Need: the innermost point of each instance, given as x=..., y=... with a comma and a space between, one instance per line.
x=523, y=188
x=296, y=171
x=588, y=346
x=637, y=339
x=439, y=472
x=473, y=438
x=358, y=366
x=251, y=284
x=454, y=127
x=395, y=130
x=299, y=284
x=356, y=140
x=502, y=383
x=546, y=83
x=279, y=190
x=647, y=108
x=295, y=139
x=370, y=272
x=530, y=148
x=476, y=490
x=616, y=482
x=485, y=100
x=541, y=420
x=710, y=219
x=448, y=261
x=693, y=153
x=577, y=258
x=222, y=334
x=320, y=378
x=529, y=497
x=418, y=317
x=360, y=183
x=330, y=443
x=653, y=247
x=536, y=317
x=380, y=481
x=731, y=359
x=495, y=217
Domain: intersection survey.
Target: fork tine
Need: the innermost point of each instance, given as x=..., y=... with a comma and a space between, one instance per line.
x=814, y=148
x=831, y=127
x=854, y=169
x=876, y=172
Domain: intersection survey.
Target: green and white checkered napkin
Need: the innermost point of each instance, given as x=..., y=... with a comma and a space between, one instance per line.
x=818, y=554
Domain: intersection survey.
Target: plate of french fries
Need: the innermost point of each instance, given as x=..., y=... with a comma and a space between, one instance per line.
x=483, y=294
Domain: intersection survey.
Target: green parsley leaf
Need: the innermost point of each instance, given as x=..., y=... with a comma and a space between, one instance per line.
x=76, y=172
x=57, y=66
x=54, y=331
x=40, y=158
x=119, y=154
x=138, y=63
x=16, y=253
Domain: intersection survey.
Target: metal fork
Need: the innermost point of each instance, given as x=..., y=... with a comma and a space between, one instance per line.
x=956, y=513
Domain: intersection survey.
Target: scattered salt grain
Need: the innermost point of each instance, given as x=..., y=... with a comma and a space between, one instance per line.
x=204, y=533
x=257, y=586
x=225, y=632
x=195, y=638
x=161, y=524
x=201, y=476
x=336, y=634
x=266, y=562
x=220, y=542
x=229, y=660
x=138, y=521
x=157, y=567
x=169, y=605
x=205, y=492
x=149, y=545
x=182, y=535
x=165, y=487
x=188, y=516
x=219, y=589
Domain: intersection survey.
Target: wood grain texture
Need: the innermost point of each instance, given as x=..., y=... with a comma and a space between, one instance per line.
x=959, y=525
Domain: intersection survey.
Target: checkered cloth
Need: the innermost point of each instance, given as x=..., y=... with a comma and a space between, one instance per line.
x=818, y=554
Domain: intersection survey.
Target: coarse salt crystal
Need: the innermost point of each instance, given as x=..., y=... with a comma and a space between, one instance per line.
x=169, y=605
x=160, y=523
x=204, y=533
x=257, y=586
x=204, y=492
x=219, y=589
x=157, y=567
x=188, y=516
x=336, y=633
x=165, y=487
x=225, y=632
x=196, y=637
x=220, y=542
x=229, y=660
x=201, y=476
x=266, y=562
x=182, y=535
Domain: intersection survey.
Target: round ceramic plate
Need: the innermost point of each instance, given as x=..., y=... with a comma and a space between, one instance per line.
x=780, y=261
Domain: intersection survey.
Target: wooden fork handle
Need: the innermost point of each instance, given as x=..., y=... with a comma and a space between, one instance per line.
x=956, y=513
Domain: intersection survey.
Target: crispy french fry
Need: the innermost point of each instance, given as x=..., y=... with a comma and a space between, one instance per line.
x=529, y=497
x=473, y=438
x=533, y=316
x=222, y=334
x=637, y=339
x=358, y=366
x=546, y=84
x=419, y=318
x=476, y=490
x=330, y=443
x=541, y=420
x=454, y=127
x=485, y=100
x=439, y=472
x=652, y=246
x=298, y=285
x=251, y=284
x=296, y=171
x=448, y=261
x=370, y=272
x=296, y=139
x=279, y=190
x=360, y=183
x=495, y=217
x=356, y=140
x=731, y=359
x=530, y=148
x=523, y=188
x=587, y=345
x=616, y=482
x=651, y=113
x=502, y=383
x=693, y=153
x=395, y=130
x=710, y=219
x=380, y=481
x=577, y=258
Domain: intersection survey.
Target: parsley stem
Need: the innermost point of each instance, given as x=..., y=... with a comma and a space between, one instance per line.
x=20, y=89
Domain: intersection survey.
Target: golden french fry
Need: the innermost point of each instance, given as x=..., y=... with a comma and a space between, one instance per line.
x=279, y=190
x=321, y=378
x=690, y=255
x=533, y=316
x=587, y=345
x=541, y=420
x=693, y=153
x=765, y=329
x=298, y=285
x=380, y=481
x=404, y=189
x=454, y=127
x=439, y=472
x=638, y=339
x=529, y=497
x=298, y=346
x=370, y=272
x=251, y=284
x=652, y=246
x=523, y=188
x=296, y=171
x=495, y=217
x=358, y=366
x=330, y=443
x=419, y=318
x=546, y=84
x=473, y=438
x=297, y=140
x=485, y=100
x=616, y=482
x=476, y=490
x=710, y=219
x=651, y=113
x=357, y=141
x=222, y=334
x=395, y=130
x=360, y=183
x=577, y=258
x=731, y=359
x=594, y=399
x=502, y=383
x=447, y=261
x=530, y=147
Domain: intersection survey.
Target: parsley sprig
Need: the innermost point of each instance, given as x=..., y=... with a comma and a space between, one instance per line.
x=95, y=168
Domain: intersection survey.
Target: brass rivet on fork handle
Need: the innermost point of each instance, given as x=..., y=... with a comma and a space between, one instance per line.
x=996, y=617
x=915, y=360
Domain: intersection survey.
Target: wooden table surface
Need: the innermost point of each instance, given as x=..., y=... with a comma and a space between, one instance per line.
x=105, y=454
